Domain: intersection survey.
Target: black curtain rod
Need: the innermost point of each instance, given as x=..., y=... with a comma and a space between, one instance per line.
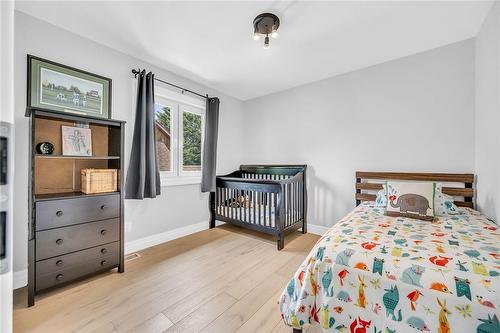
x=138, y=71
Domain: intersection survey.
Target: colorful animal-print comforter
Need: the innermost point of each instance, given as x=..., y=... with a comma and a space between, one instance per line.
x=371, y=273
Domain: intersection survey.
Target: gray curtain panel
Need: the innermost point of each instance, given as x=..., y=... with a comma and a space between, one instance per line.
x=210, y=145
x=143, y=176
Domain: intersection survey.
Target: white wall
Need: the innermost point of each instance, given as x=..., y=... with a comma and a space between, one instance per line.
x=7, y=115
x=177, y=206
x=410, y=114
x=488, y=115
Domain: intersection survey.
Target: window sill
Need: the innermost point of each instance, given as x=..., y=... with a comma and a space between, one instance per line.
x=180, y=181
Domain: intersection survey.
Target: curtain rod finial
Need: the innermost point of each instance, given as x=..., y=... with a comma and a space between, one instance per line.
x=136, y=72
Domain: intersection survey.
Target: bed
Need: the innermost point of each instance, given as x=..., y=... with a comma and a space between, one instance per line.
x=375, y=273
x=266, y=198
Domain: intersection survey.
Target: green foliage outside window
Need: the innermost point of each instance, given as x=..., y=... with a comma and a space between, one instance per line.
x=164, y=117
x=191, y=134
x=192, y=139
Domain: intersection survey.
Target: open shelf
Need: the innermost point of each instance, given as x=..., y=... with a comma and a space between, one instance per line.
x=76, y=157
x=68, y=195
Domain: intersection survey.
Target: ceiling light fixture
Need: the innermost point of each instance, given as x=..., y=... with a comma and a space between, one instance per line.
x=266, y=24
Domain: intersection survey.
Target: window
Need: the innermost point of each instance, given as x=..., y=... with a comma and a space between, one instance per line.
x=190, y=147
x=179, y=136
x=163, y=130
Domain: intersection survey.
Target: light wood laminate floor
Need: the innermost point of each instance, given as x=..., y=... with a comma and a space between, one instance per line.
x=226, y=279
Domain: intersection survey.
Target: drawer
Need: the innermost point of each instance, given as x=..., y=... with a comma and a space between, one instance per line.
x=76, y=258
x=44, y=281
x=56, y=242
x=63, y=212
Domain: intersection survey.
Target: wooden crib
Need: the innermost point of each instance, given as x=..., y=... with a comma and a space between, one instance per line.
x=266, y=198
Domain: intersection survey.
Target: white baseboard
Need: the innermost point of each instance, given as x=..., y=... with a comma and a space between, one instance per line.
x=317, y=229
x=20, y=278
x=143, y=243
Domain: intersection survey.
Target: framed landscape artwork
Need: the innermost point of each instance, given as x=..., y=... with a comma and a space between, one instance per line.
x=76, y=141
x=62, y=88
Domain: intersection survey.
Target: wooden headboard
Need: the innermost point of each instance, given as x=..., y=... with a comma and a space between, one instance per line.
x=458, y=185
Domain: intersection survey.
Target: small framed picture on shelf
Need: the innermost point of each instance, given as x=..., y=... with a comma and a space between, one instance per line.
x=66, y=89
x=76, y=141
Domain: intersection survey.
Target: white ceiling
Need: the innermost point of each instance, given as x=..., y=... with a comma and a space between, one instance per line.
x=211, y=42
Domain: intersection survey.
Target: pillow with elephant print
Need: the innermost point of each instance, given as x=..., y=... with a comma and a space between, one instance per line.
x=411, y=199
x=443, y=203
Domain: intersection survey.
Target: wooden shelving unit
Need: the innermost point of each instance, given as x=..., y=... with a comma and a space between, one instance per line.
x=73, y=157
x=88, y=227
x=67, y=195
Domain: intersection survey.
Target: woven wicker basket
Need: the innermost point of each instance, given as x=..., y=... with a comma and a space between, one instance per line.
x=99, y=180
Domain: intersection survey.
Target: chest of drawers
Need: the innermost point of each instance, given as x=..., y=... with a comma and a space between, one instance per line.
x=75, y=237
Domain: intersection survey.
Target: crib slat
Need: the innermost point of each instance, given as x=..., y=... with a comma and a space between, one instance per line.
x=221, y=201
x=244, y=205
x=296, y=205
x=263, y=209
x=228, y=203
x=237, y=208
x=231, y=195
x=287, y=195
x=235, y=201
x=270, y=197
x=218, y=201
x=256, y=211
x=302, y=200
x=236, y=191
x=266, y=210
x=298, y=201
x=259, y=208
x=224, y=201
x=254, y=205
x=294, y=202
x=290, y=204
x=276, y=208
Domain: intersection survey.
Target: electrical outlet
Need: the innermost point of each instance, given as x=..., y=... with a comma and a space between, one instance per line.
x=128, y=227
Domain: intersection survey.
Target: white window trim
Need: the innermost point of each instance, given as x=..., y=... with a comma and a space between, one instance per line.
x=190, y=104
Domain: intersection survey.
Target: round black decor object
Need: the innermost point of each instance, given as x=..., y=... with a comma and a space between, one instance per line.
x=45, y=148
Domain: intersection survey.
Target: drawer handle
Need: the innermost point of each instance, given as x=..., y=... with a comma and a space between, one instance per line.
x=103, y=207
x=59, y=263
x=104, y=250
x=103, y=262
x=59, y=277
x=104, y=232
x=59, y=241
x=59, y=213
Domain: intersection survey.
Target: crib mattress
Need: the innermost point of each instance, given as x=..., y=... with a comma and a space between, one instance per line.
x=252, y=215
